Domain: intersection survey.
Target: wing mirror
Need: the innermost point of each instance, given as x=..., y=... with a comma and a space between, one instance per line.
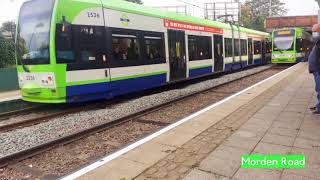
x=65, y=27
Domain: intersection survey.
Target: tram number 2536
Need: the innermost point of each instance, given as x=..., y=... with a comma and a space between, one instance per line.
x=93, y=15
x=30, y=78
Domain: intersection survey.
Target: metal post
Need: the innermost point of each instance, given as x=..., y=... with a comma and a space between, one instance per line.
x=319, y=16
x=318, y=1
x=270, y=8
x=205, y=11
x=239, y=15
x=226, y=11
x=214, y=11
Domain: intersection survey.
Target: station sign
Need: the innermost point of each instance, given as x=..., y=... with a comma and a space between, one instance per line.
x=191, y=27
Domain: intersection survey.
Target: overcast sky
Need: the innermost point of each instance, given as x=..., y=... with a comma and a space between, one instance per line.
x=9, y=8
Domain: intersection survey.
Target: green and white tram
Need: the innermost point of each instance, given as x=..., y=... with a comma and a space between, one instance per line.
x=290, y=45
x=82, y=50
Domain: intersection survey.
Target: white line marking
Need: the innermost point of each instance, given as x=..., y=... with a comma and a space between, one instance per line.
x=158, y=133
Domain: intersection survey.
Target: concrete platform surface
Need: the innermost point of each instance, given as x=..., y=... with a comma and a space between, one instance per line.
x=272, y=117
x=9, y=96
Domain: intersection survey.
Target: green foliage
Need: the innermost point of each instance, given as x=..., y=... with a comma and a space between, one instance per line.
x=7, y=52
x=135, y=1
x=254, y=12
x=7, y=46
x=9, y=27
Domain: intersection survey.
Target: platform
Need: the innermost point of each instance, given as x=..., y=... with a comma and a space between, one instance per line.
x=271, y=117
x=9, y=96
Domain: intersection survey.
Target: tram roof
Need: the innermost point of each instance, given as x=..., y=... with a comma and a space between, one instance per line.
x=153, y=12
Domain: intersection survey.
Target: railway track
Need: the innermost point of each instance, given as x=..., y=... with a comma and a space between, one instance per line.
x=7, y=115
x=135, y=117
x=40, y=114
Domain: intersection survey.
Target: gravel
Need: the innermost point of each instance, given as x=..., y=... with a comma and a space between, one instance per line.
x=25, y=138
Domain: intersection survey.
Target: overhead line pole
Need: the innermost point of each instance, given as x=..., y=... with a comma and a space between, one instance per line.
x=270, y=8
x=318, y=11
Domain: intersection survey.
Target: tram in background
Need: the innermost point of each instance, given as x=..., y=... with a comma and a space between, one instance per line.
x=290, y=45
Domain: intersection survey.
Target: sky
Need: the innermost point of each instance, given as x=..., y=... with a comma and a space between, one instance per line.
x=9, y=8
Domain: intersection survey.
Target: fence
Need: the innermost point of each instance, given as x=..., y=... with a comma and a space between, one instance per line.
x=8, y=79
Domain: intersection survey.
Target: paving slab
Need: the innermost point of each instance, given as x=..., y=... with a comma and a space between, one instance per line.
x=307, y=144
x=312, y=134
x=116, y=170
x=278, y=139
x=149, y=149
x=269, y=117
x=311, y=171
x=220, y=166
x=293, y=125
x=240, y=142
x=270, y=149
x=289, y=176
x=312, y=156
x=202, y=175
x=255, y=174
x=283, y=131
x=290, y=117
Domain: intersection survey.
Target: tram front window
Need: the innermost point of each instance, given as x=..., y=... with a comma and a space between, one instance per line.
x=283, y=40
x=34, y=32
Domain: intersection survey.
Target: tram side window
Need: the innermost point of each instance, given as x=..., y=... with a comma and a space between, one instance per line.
x=125, y=47
x=228, y=47
x=205, y=47
x=192, y=47
x=236, y=47
x=64, y=44
x=244, y=47
x=154, y=48
x=257, y=47
x=200, y=47
x=89, y=43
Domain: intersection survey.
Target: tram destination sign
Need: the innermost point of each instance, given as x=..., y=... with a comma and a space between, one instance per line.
x=284, y=33
x=191, y=27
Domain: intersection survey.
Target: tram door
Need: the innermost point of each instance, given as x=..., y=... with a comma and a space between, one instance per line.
x=177, y=55
x=218, y=53
x=250, y=51
x=263, y=52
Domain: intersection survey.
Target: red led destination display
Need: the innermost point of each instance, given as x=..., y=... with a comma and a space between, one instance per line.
x=191, y=27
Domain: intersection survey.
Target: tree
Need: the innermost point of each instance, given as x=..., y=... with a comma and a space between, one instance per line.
x=254, y=12
x=135, y=1
x=9, y=27
x=7, y=52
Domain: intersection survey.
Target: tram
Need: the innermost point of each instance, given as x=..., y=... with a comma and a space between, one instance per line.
x=83, y=50
x=290, y=45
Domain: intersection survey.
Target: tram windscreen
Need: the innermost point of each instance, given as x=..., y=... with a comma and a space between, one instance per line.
x=34, y=32
x=283, y=40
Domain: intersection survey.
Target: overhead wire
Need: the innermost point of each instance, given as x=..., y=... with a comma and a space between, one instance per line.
x=190, y=4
